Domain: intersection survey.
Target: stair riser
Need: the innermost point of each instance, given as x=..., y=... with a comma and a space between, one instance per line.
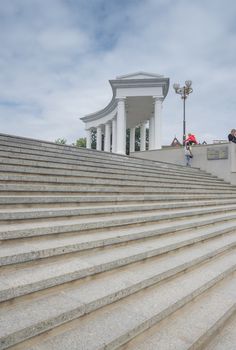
x=179, y=240
x=174, y=307
x=43, y=326
x=41, y=231
x=69, y=277
x=31, y=179
x=34, y=189
x=39, y=161
x=213, y=331
x=47, y=253
x=129, y=175
x=68, y=205
x=54, y=150
x=63, y=201
x=70, y=214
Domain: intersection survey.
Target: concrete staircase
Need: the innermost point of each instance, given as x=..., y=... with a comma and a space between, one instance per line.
x=102, y=251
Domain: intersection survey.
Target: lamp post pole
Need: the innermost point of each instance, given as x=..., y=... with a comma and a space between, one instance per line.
x=184, y=121
x=184, y=92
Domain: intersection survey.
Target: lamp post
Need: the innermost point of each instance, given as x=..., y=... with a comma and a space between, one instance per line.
x=184, y=92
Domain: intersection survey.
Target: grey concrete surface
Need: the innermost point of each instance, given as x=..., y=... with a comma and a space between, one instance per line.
x=115, y=324
x=225, y=339
x=197, y=322
x=78, y=299
x=96, y=248
x=38, y=228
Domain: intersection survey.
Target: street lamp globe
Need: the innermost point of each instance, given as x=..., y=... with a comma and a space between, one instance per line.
x=188, y=83
x=176, y=86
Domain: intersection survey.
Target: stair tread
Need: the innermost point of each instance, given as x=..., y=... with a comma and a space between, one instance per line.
x=45, y=273
x=116, y=323
x=34, y=245
x=105, y=197
x=104, y=166
x=11, y=170
x=41, y=306
x=225, y=339
x=106, y=187
x=20, y=213
x=98, y=247
x=55, y=179
x=152, y=214
x=34, y=168
x=82, y=154
x=188, y=326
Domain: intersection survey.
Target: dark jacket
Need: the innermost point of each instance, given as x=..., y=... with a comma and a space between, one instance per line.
x=232, y=138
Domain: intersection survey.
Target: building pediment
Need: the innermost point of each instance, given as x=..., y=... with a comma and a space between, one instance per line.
x=139, y=75
x=138, y=89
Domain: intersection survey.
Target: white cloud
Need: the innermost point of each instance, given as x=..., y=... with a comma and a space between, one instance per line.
x=56, y=60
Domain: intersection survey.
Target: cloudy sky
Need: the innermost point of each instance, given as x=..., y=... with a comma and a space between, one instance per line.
x=57, y=56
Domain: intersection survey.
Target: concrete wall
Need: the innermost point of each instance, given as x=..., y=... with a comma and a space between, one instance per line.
x=223, y=168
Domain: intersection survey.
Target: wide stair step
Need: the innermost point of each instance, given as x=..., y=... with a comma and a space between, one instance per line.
x=104, y=251
x=113, y=325
x=197, y=323
x=38, y=228
x=108, y=289
x=38, y=201
x=224, y=337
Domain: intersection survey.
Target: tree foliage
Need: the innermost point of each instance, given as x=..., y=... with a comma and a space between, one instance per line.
x=81, y=142
x=61, y=141
x=137, y=139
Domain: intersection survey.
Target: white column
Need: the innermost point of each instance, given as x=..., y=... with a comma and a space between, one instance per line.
x=107, y=143
x=132, y=140
x=143, y=137
x=121, y=126
x=151, y=133
x=88, y=138
x=157, y=122
x=114, y=135
x=99, y=138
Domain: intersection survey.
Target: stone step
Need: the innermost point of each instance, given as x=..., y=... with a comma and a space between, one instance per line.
x=107, y=157
x=106, y=174
x=129, y=163
x=14, y=188
x=40, y=201
x=54, y=149
x=62, y=157
x=61, y=180
x=107, y=237
x=111, y=179
x=114, y=325
x=225, y=336
x=28, y=249
x=81, y=166
x=32, y=316
x=18, y=280
x=196, y=323
x=40, y=228
x=50, y=213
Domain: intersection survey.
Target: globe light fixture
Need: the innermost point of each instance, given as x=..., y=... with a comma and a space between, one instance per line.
x=183, y=92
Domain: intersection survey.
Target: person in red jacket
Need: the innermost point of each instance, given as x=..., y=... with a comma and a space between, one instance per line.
x=191, y=139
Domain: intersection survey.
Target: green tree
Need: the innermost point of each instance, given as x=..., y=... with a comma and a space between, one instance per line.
x=61, y=141
x=137, y=139
x=93, y=139
x=81, y=142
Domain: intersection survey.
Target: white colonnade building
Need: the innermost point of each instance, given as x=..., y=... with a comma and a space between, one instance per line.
x=136, y=101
